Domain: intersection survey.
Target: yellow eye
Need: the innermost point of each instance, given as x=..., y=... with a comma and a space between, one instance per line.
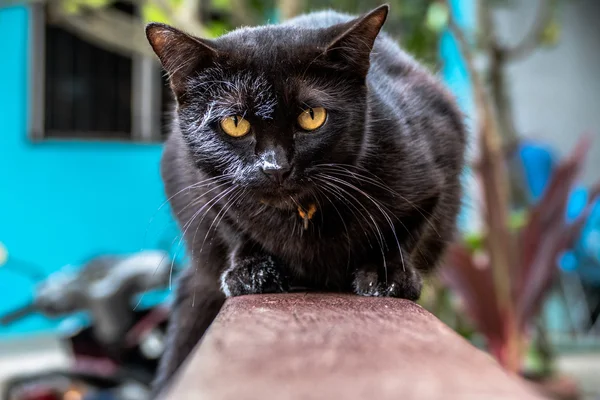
x=235, y=126
x=312, y=118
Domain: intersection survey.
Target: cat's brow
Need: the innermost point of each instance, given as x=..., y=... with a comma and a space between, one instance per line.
x=240, y=92
x=320, y=93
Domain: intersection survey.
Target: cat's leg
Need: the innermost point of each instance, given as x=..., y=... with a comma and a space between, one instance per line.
x=252, y=271
x=402, y=274
x=439, y=231
x=398, y=277
x=197, y=302
x=428, y=253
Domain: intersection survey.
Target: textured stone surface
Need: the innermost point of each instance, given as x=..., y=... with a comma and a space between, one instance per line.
x=326, y=346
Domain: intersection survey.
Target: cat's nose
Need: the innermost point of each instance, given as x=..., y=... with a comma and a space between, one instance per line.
x=277, y=173
x=275, y=164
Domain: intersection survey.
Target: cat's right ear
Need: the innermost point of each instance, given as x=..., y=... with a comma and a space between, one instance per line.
x=354, y=40
x=180, y=54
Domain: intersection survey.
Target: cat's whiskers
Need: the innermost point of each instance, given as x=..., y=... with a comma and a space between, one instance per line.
x=187, y=225
x=260, y=210
x=202, y=183
x=196, y=185
x=379, y=183
x=387, y=188
x=210, y=205
x=375, y=180
x=237, y=200
x=198, y=199
x=382, y=186
x=381, y=209
x=320, y=190
x=295, y=223
x=222, y=213
x=194, y=203
x=350, y=206
x=379, y=234
x=224, y=194
x=320, y=207
x=199, y=184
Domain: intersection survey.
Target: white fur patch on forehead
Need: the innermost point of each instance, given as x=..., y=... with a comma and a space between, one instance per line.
x=242, y=92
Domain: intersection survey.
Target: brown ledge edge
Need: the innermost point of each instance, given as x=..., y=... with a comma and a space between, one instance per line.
x=329, y=346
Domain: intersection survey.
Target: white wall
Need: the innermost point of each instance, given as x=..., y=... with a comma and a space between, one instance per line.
x=556, y=91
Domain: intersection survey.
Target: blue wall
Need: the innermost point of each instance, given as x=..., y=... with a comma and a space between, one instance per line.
x=63, y=202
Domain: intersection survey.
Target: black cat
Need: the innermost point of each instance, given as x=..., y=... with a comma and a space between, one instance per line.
x=313, y=154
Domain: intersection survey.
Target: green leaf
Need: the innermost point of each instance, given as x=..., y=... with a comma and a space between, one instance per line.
x=533, y=360
x=222, y=5
x=153, y=13
x=96, y=3
x=551, y=33
x=437, y=17
x=71, y=7
x=216, y=29
x=474, y=241
x=75, y=6
x=517, y=219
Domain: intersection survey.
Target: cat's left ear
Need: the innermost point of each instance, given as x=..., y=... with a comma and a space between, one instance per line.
x=351, y=49
x=180, y=54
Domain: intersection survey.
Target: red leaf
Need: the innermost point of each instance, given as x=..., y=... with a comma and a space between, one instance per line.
x=474, y=284
x=544, y=267
x=547, y=211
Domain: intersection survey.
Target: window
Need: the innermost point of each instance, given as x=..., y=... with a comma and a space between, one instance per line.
x=81, y=91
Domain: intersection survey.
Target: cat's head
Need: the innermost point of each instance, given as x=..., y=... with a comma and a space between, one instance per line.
x=266, y=105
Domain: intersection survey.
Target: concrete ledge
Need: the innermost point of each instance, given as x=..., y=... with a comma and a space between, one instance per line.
x=327, y=346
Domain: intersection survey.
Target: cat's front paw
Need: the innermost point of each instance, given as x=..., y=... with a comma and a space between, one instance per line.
x=253, y=275
x=402, y=281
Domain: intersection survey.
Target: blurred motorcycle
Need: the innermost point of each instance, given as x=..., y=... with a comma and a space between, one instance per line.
x=117, y=350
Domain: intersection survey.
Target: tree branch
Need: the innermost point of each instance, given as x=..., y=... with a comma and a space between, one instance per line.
x=533, y=38
x=494, y=185
x=188, y=17
x=107, y=28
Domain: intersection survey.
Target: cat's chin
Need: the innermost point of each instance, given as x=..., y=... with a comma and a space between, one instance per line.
x=278, y=202
x=283, y=202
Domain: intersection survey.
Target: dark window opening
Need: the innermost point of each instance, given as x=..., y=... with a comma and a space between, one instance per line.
x=88, y=89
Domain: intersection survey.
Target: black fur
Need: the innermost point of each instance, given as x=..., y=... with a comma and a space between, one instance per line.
x=383, y=171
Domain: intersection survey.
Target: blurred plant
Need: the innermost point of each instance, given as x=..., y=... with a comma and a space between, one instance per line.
x=503, y=293
x=118, y=24
x=439, y=299
x=503, y=275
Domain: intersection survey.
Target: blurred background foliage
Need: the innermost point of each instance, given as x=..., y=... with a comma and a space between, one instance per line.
x=118, y=24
